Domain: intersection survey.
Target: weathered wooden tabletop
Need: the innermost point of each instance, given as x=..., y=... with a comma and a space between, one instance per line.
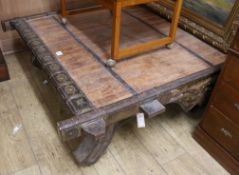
x=74, y=56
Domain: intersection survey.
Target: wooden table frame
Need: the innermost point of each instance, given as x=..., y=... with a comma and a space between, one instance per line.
x=89, y=129
x=116, y=7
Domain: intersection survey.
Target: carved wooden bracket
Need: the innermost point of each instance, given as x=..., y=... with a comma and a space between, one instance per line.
x=190, y=95
x=96, y=128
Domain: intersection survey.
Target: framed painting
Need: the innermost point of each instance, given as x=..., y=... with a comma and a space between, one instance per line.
x=214, y=21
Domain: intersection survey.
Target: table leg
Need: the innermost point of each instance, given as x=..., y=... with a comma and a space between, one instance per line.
x=63, y=8
x=87, y=150
x=175, y=19
x=116, y=30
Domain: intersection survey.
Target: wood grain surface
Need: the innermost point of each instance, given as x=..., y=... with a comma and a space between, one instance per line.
x=87, y=73
x=86, y=41
x=9, y=9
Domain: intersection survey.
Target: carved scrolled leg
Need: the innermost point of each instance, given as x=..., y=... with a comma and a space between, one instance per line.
x=190, y=95
x=91, y=148
x=191, y=100
x=195, y=95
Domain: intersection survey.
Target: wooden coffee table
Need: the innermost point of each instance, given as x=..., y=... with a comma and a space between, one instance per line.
x=116, y=7
x=99, y=97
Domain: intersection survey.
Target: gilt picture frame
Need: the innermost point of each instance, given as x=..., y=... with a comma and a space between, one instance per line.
x=214, y=21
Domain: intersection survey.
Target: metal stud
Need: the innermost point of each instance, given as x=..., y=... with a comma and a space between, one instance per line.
x=169, y=46
x=64, y=21
x=110, y=63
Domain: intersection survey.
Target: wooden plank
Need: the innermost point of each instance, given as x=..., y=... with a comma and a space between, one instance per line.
x=189, y=41
x=16, y=151
x=132, y=155
x=112, y=165
x=6, y=99
x=199, y=154
x=152, y=108
x=162, y=66
x=184, y=165
x=33, y=170
x=158, y=141
x=81, y=66
x=144, y=46
x=180, y=126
